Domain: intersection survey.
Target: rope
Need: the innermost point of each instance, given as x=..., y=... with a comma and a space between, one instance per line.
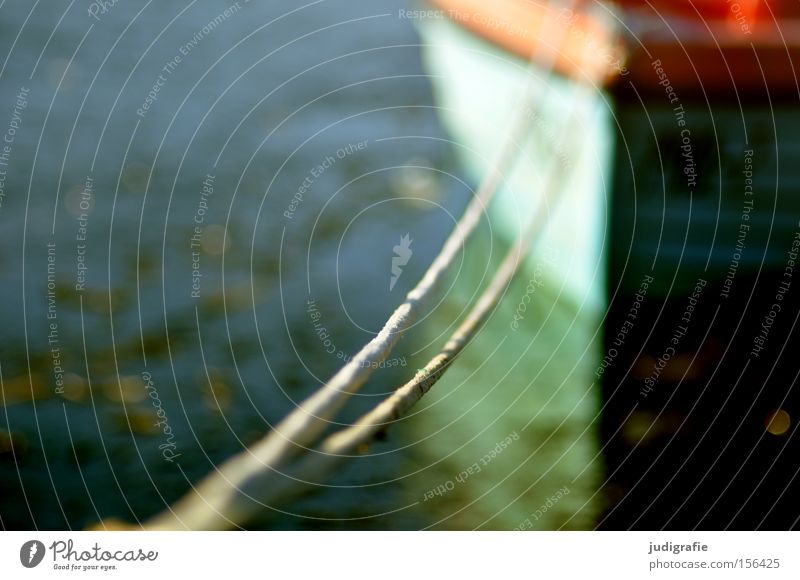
x=340, y=445
x=227, y=496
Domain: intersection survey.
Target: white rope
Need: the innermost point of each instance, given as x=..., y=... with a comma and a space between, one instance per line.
x=228, y=495
x=338, y=446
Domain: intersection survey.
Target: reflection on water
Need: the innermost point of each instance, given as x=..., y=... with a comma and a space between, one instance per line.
x=181, y=185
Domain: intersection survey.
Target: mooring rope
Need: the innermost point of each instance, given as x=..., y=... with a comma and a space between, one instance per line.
x=343, y=443
x=228, y=495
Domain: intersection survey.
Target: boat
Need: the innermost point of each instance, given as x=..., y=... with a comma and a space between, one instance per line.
x=675, y=123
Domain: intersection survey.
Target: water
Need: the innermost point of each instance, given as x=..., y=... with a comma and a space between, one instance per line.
x=193, y=177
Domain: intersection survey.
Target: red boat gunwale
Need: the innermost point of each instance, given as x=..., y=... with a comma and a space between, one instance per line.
x=703, y=45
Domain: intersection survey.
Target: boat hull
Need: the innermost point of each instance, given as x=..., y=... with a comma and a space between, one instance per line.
x=531, y=371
